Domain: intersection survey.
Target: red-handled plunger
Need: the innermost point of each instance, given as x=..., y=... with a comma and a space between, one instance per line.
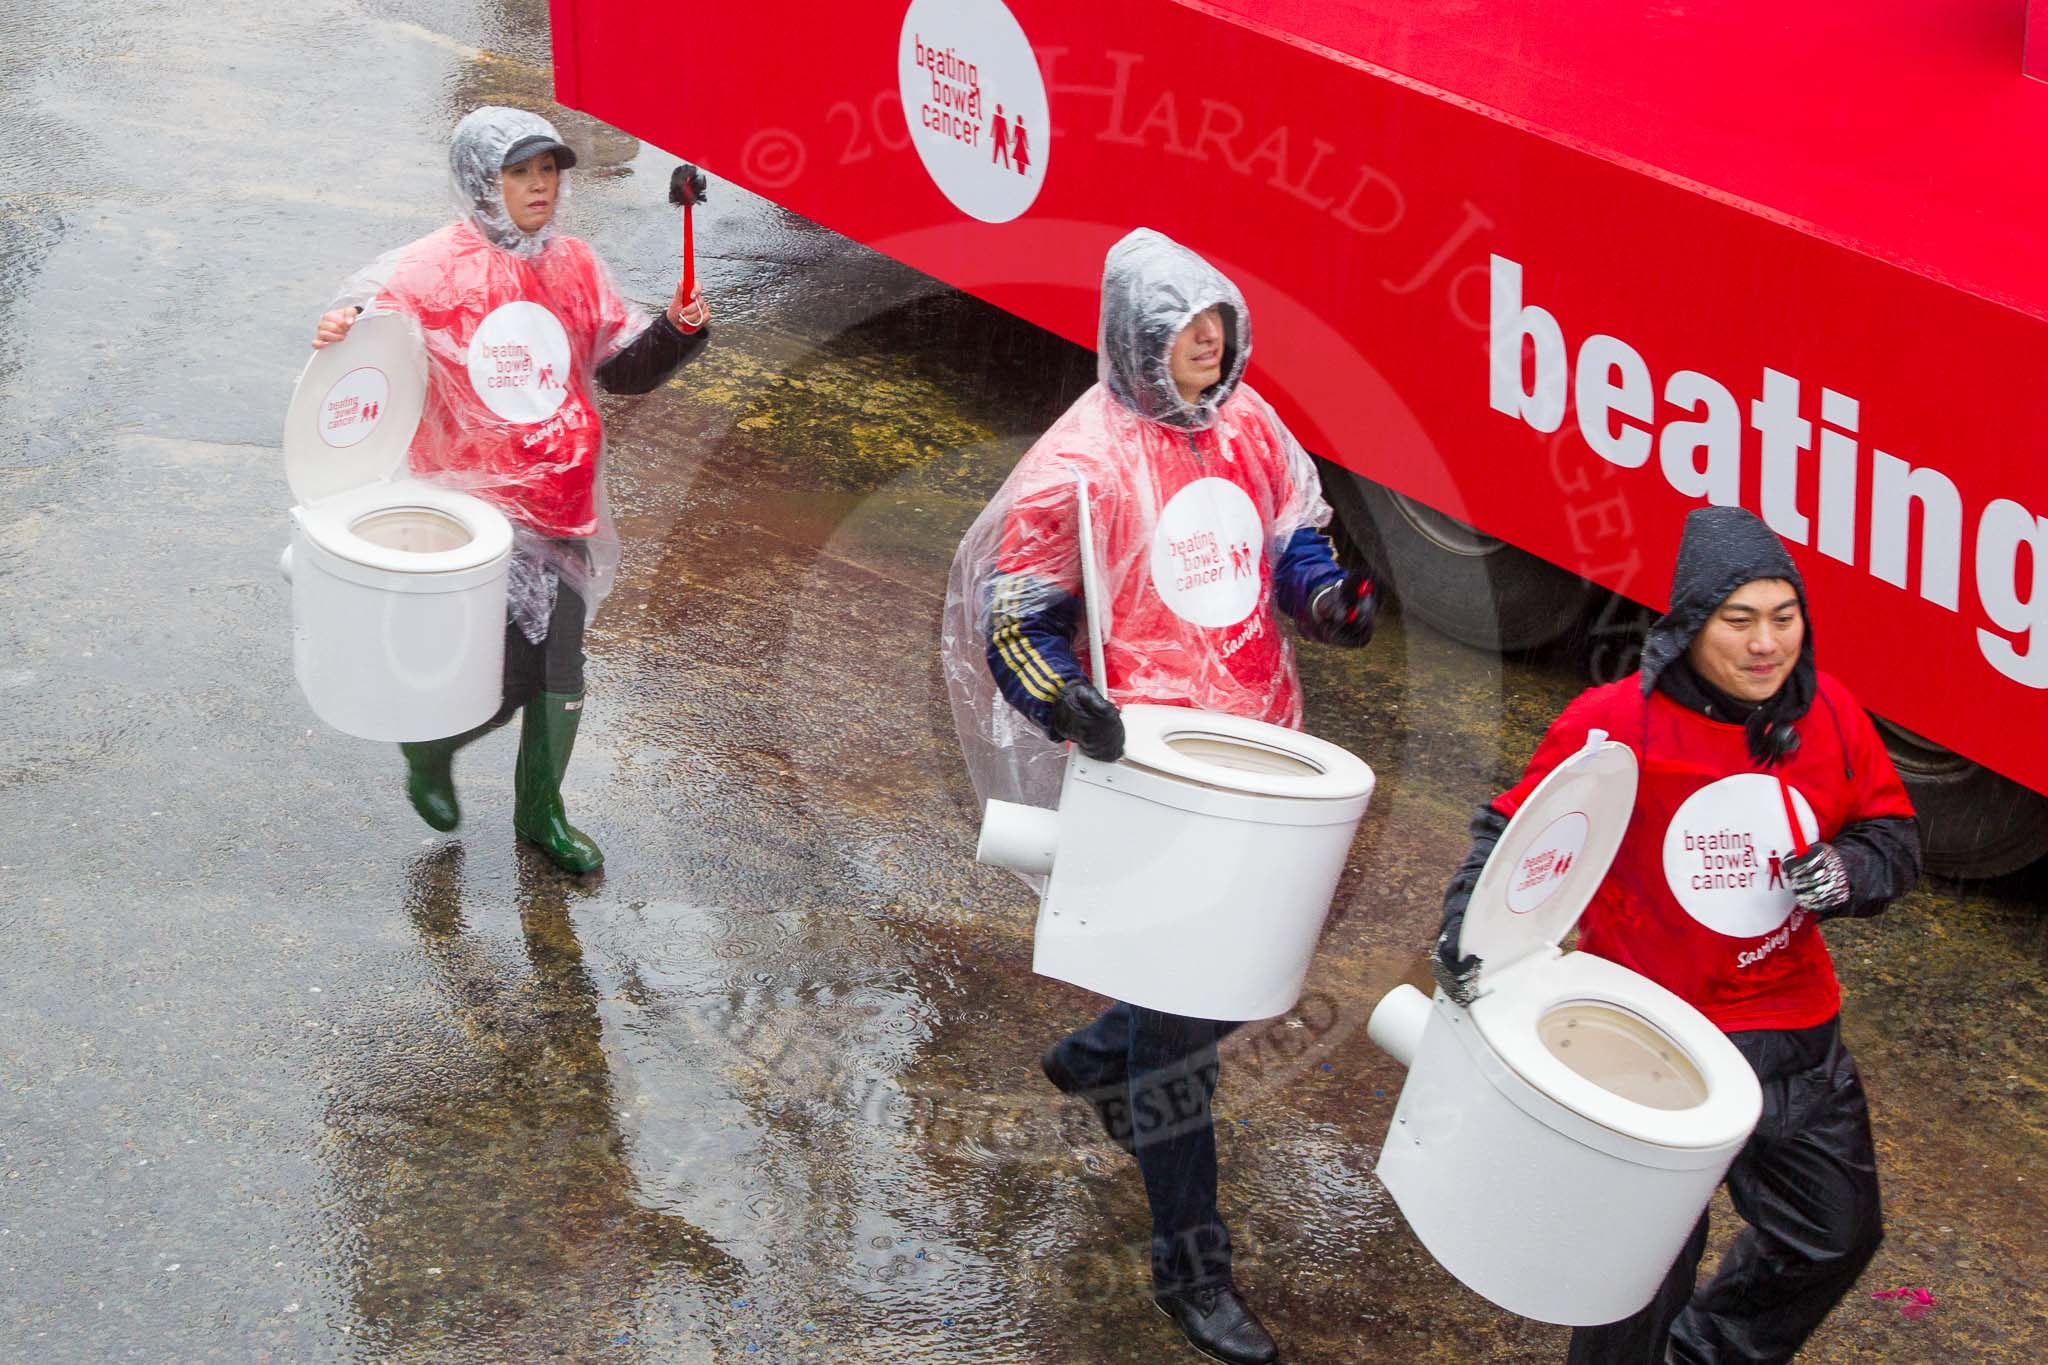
x=1792, y=817
x=686, y=186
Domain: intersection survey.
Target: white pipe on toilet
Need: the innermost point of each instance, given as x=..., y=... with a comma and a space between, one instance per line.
x=284, y=563
x=1021, y=838
x=1398, y=1021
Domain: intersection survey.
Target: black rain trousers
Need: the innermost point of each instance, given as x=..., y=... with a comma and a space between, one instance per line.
x=1806, y=1183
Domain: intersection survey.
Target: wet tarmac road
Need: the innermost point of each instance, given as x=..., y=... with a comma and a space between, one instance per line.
x=285, y=1076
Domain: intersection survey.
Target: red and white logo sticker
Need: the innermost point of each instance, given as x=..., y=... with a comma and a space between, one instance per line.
x=1547, y=862
x=354, y=406
x=519, y=362
x=975, y=103
x=1725, y=851
x=1208, y=553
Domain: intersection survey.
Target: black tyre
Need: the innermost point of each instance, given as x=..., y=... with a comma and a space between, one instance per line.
x=1973, y=823
x=1477, y=590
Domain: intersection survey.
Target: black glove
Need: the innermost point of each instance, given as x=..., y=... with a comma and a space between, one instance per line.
x=1342, y=612
x=1819, y=880
x=1090, y=720
x=1458, y=976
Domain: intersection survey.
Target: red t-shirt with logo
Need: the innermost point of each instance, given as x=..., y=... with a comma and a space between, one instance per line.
x=1185, y=524
x=1697, y=898
x=512, y=342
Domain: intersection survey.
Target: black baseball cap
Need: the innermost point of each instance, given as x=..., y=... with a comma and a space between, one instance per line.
x=533, y=144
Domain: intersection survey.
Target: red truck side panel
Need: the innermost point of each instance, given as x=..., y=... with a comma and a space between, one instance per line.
x=1552, y=344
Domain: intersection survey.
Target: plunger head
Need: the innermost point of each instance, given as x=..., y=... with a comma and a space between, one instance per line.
x=686, y=185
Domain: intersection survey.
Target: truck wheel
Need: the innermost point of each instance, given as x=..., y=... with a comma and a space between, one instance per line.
x=1477, y=590
x=1973, y=823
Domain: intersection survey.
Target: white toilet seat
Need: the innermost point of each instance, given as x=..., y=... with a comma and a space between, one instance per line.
x=1508, y=1015
x=1232, y=753
x=329, y=522
x=347, y=437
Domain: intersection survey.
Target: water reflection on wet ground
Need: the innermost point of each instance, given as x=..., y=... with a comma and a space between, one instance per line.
x=285, y=1076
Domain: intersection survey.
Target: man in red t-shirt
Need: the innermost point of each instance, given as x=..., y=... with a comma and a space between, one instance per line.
x=1205, y=517
x=521, y=326
x=1717, y=897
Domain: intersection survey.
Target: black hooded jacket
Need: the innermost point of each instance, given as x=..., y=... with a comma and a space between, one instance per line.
x=1722, y=549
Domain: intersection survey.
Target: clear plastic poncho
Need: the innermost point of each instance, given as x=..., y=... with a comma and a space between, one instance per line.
x=1190, y=505
x=515, y=325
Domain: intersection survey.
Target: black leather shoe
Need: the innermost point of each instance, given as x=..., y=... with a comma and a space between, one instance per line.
x=1111, y=1104
x=1217, y=1323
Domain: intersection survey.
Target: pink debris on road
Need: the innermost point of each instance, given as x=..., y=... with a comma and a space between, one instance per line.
x=1917, y=1301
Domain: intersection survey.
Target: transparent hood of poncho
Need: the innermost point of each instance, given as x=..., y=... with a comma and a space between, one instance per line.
x=476, y=158
x=1152, y=288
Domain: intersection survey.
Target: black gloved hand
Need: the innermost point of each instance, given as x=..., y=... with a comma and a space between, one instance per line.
x=1819, y=880
x=1091, y=721
x=1342, y=612
x=1458, y=976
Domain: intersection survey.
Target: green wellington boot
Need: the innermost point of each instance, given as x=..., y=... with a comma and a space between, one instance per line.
x=546, y=738
x=430, y=777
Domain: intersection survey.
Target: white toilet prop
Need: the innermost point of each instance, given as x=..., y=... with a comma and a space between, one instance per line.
x=398, y=587
x=1193, y=875
x=1556, y=1142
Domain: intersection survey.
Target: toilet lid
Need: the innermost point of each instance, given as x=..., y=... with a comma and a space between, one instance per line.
x=1238, y=754
x=355, y=409
x=1552, y=856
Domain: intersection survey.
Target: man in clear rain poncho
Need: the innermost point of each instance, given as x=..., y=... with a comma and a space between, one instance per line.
x=1205, y=516
x=519, y=322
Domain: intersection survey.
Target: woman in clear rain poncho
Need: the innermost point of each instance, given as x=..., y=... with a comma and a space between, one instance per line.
x=1205, y=515
x=519, y=323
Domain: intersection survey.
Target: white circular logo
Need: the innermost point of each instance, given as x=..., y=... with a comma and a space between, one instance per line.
x=975, y=103
x=1547, y=861
x=1725, y=851
x=519, y=362
x=353, y=407
x=1207, y=553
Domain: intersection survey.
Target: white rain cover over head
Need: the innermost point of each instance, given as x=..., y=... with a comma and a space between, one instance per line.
x=1190, y=503
x=515, y=325
x=476, y=154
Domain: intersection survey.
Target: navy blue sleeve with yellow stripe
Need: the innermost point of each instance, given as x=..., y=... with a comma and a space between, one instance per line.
x=1307, y=564
x=1030, y=626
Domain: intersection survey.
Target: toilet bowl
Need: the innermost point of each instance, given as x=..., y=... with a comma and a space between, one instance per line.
x=398, y=587
x=1193, y=875
x=1556, y=1142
